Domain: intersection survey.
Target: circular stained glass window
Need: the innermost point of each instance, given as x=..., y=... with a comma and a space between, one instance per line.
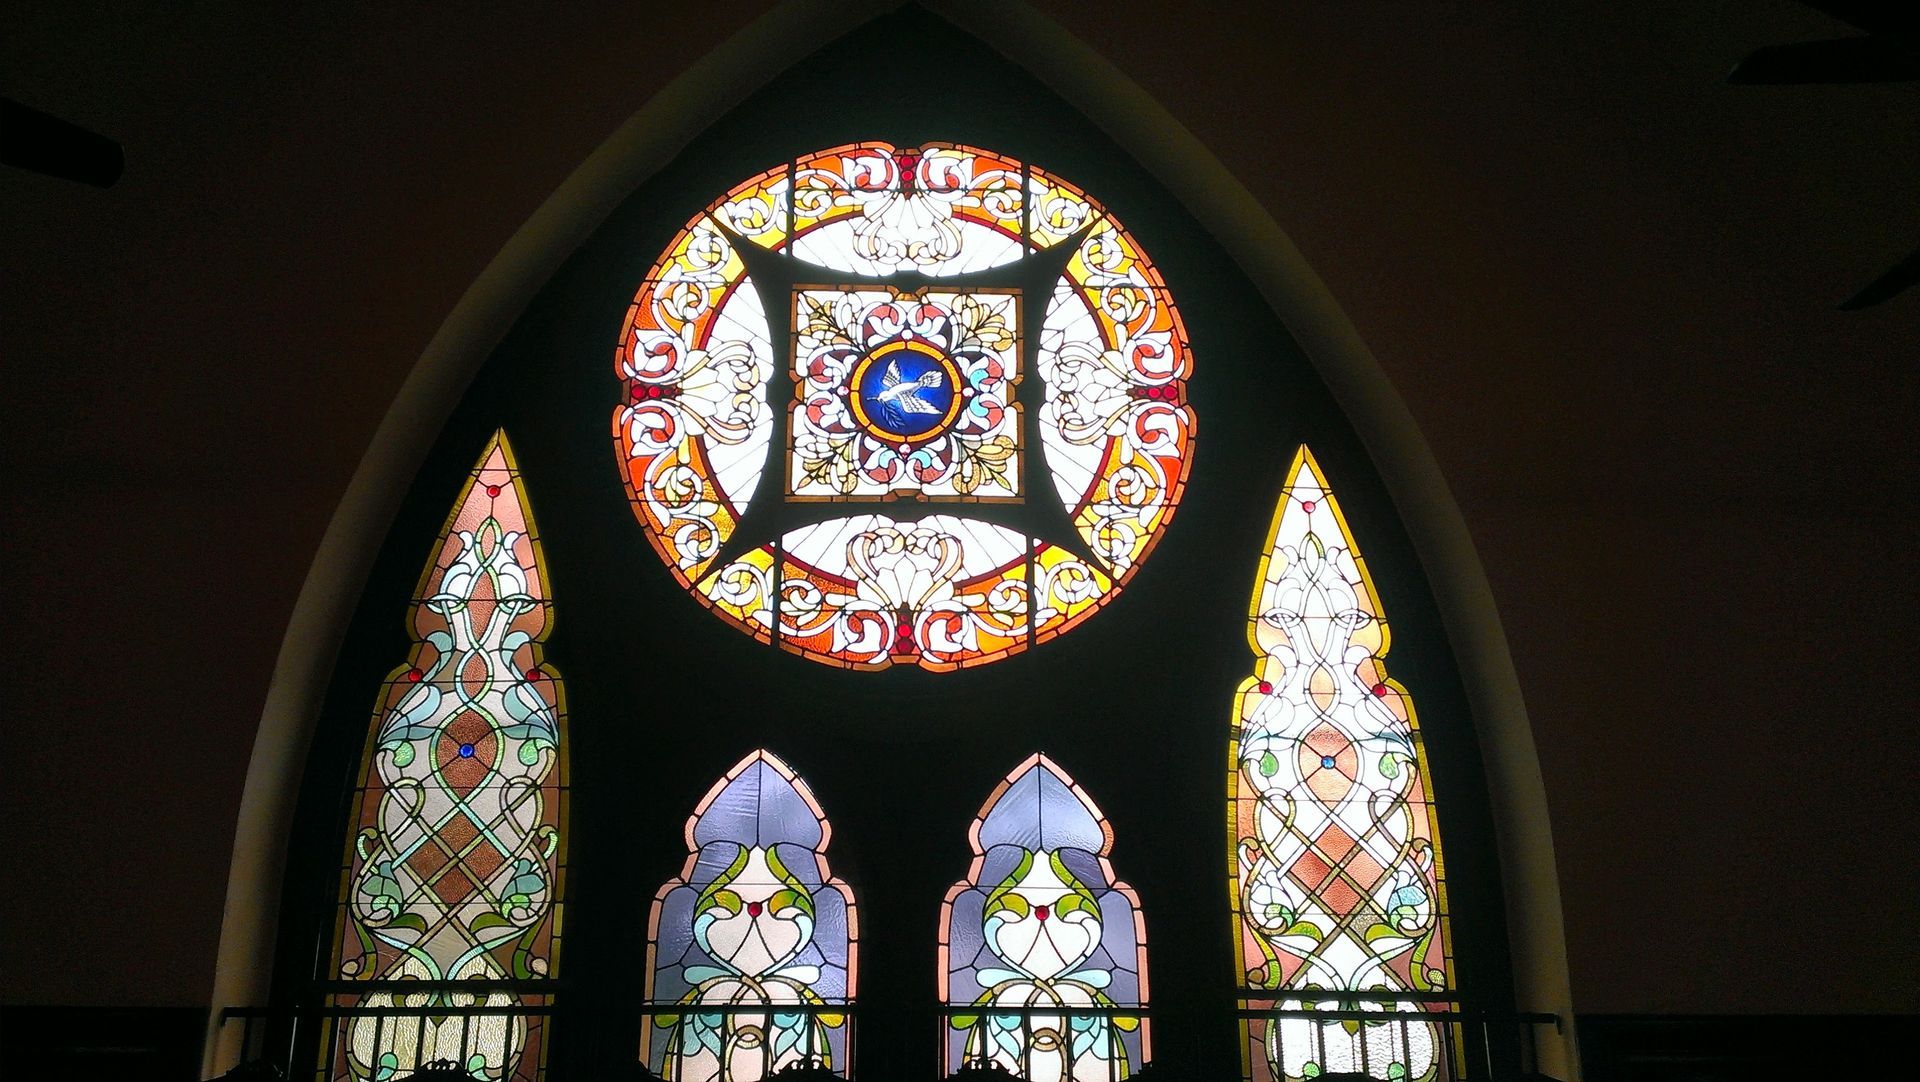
x=903, y=406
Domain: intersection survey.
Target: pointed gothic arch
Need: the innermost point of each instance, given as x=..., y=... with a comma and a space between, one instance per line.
x=752, y=955
x=1041, y=926
x=638, y=150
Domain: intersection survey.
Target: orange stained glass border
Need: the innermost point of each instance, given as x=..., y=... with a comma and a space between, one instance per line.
x=771, y=192
x=806, y=642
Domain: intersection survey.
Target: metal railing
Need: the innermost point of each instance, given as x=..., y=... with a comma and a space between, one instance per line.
x=1042, y=1030
x=314, y=1039
x=309, y=1041
x=1420, y=1034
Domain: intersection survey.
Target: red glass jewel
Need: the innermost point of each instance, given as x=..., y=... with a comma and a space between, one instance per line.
x=493, y=490
x=1307, y=506
x=414, y=675
x=1041, y=911
x=753, y=909
x=1380, y=691
x=1265, y=688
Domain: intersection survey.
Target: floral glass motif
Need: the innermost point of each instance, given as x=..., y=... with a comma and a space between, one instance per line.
x=905, y=395
x=900, y=396
x=752, y=949
x=1337, y=881
x=1039, y=928
x=454, y=862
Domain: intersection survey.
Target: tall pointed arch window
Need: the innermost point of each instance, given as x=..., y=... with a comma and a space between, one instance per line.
x=752, y=949
x=1043, y=954
x=451, y=891
x=1337, y=883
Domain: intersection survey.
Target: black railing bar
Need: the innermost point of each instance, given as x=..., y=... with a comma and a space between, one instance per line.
x=508, y=1010
x=248, y=1014
x=1420, y=1017
x=1486, y=1017
x=1323, y=995
x=430, y=987
x=657, y=1007
x=228, y=1014
x=1073, y=1011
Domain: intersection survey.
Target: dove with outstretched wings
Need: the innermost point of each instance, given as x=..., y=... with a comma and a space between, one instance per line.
x=901, y=398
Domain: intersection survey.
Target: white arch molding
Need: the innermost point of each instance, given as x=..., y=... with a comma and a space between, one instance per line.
x=643, y=145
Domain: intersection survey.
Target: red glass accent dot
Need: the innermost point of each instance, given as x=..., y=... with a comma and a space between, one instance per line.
x=414, y=675
x=1041, y=911
x=753, y=909
x=493, y=490
x=1307, y=506
x=638, y=391
x=1264, y=688
x=536, y=676
x=1380, y=691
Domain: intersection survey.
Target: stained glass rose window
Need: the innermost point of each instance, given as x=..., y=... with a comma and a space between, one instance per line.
x=903, y=406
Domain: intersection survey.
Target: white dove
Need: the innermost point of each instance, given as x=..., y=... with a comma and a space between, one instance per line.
x=903, y=396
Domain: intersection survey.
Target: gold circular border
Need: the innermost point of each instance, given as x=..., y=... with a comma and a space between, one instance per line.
x=856, y=406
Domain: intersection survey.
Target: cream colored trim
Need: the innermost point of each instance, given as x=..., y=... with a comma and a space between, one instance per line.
x=646, y=143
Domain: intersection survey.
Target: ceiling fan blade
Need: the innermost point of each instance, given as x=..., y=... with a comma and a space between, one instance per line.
x=1842, y=60
x=31, y=139
x=1875, y=17
x=1903, y=275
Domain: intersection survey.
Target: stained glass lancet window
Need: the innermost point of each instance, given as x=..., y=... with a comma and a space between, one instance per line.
x=958, y=470
x=1040, y=943
x=1337, y=880
x=751, y=953
x=454, y=860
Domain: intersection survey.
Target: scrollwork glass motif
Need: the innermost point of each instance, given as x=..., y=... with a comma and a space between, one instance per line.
x=454, y=865
x=895, y=393
x=1039, y=930
x=1337, y=882
x=751, y=954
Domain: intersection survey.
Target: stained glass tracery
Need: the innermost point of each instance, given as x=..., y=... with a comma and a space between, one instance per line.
x=1337, y=881
x=900, y=397
x=1041, y=947
x=455, y=860
x=905, y=395
x=752, y=949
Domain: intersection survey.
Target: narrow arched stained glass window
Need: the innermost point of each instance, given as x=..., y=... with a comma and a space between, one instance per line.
x=1337, y=879
x=1042, y=949
x=454, y=863
x=963, y=381
x=751, y=952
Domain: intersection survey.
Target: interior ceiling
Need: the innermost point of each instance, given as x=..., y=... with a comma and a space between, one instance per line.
x=1603, y=280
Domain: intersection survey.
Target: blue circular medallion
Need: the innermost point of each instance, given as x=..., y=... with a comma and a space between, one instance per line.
x=905, y=391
